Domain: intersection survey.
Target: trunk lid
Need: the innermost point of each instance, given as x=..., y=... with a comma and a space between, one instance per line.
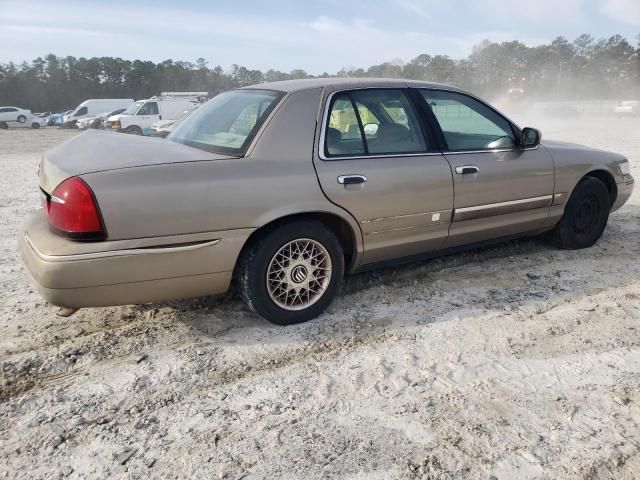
x=97, y=151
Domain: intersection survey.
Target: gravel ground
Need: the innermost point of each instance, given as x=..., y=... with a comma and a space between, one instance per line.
x=517, y=361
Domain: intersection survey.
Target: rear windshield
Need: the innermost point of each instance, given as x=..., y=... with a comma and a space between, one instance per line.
x=228, y=122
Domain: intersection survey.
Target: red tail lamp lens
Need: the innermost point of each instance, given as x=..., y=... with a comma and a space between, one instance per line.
x=73, y=210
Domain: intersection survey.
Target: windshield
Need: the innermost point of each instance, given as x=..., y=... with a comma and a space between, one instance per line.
x=133, y=108
x=227, y=123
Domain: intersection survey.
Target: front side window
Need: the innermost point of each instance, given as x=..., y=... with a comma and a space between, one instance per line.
x=81, y=111
x=228, y=122
x=372, y=122
x=149, y=108
x=133, y=108
x=468, y=124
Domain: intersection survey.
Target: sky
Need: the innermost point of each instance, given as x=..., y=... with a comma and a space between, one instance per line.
x=315, y=35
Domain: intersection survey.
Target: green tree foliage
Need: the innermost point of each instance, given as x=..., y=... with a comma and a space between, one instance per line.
x=585, y=68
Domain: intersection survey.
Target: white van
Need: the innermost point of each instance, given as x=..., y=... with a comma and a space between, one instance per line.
x=138, y=118
x=93, y=107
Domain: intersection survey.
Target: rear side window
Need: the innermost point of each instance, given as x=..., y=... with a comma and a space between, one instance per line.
x=468, y=124
x=343, y=135
x=372, y=122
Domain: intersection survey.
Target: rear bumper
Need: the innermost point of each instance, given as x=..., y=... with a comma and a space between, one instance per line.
x=128, y=275
x=625, y=189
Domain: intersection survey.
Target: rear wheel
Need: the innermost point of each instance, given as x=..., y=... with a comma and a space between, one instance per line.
x=585, y=216
x=134, y=130
x=292, y=274
x=3, y=126
x=35, y=125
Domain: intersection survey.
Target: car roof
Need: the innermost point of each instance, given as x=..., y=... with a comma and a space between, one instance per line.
x=310, y=83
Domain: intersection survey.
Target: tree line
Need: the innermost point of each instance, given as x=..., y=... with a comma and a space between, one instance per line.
x=586, y=68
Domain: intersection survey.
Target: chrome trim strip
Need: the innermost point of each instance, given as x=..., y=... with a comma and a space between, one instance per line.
x=559, y=198
x=119, y=253
x=399, y=229
x=501, y=208
x=398, y=217
x=500, y=150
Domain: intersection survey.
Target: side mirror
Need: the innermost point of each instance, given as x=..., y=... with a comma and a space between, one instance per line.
x=530, y=137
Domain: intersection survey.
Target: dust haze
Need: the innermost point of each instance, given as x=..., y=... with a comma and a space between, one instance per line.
x=515, y=361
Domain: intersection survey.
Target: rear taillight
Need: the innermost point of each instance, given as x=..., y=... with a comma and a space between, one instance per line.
x=73, y=211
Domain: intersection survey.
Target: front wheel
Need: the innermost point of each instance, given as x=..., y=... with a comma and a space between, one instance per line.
x=35, y=125
x=134, y=131
x=292, y=274
x=585, y=216
x=22, y=119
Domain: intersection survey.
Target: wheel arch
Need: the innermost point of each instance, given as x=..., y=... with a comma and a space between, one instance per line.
x=349, y=239
x=608, y=179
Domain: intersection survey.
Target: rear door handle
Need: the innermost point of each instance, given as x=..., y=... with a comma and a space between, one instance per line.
x=351, y=179
x=467, y=169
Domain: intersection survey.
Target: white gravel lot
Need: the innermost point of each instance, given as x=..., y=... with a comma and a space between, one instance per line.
x=517, y=361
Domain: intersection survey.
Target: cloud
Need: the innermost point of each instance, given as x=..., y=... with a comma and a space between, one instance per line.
x=625, y=11
x=317, y=44
x=335, y=37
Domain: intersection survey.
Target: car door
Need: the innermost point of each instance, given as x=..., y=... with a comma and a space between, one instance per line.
x=147, y=115
x=8, y=114
x=375, y=161
x=500, y=189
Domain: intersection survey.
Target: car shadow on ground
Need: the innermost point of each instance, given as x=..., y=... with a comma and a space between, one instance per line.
x=502, y=277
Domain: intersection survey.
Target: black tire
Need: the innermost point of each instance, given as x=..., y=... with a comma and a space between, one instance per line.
x=134, y=130
x=3, y=126
x=22, y=119
x=255, y=261
x=585, y=216
x=35, y=125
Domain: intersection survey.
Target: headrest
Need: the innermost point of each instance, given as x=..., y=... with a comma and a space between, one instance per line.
x=333, y=135
x=393, y=132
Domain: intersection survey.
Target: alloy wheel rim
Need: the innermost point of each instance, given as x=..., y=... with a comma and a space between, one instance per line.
x=299, y=274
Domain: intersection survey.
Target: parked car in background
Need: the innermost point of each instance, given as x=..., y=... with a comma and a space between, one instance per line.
x=286, y=186
x=97, y=121
x=14, y=114
x=51, y=119
x=37, y=121
x=163, y=128
x=84, y=123
x=93, y=107
x=29, y=120
x=628, y=108
x=138, y=118
x=58, y=118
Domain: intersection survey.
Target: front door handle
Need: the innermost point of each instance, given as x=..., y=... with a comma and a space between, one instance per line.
x=351, y=179
x=467, y=169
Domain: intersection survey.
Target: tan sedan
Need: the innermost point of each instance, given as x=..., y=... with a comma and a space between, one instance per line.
x=287, y=186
